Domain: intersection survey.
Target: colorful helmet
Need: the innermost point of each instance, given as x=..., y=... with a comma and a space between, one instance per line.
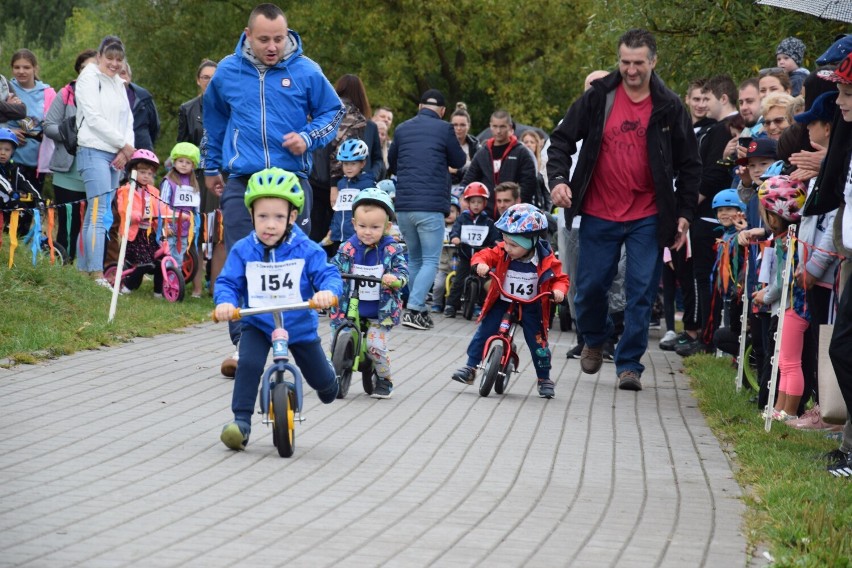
x=475, y=189
x=352, y=150
x=374, y=196
x=275, y=182
x=776, y=169
x=728, y=198
x=783, y=196
x=455, y=201
x=522, y=219
x=7, y=135
x=186, y=150
x=146, y=156
x=456, y=191
x=388, y=186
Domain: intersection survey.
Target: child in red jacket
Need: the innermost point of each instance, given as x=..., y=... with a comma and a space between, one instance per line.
x=525, y=263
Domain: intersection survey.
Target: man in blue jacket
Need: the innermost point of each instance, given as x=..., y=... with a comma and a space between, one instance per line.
x=267, y=105
x=423, y=150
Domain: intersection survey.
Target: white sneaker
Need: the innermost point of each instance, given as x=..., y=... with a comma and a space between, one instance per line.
x=124, y=290
x=669, y=336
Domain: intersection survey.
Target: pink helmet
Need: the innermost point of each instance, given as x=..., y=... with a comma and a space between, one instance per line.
x=783, y=196
x=146, y=156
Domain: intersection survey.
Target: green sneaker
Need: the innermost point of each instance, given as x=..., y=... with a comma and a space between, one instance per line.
x=235, y=435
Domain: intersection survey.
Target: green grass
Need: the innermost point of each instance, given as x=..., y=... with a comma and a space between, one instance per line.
x=56, y=310
x=798, y=511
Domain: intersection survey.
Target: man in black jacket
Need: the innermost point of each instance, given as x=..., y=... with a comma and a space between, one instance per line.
x=637, y=137
x=502, y=158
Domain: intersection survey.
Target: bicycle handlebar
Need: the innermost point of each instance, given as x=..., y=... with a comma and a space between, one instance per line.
x=242, y=312
x=535, y=298
x=360, y=278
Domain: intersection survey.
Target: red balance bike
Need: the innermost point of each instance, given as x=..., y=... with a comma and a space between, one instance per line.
x=500, y=355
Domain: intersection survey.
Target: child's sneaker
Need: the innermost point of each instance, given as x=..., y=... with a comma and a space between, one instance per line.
x=436, y=309
x=465, y=375
x=383, y=388
x=449, y=312
x=158, y=296
x=546, y=388
x=236, y=435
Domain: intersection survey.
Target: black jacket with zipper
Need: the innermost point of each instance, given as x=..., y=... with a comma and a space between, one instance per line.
x=672, y=151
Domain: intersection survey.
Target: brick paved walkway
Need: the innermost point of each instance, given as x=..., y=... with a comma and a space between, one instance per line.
x=112, y=458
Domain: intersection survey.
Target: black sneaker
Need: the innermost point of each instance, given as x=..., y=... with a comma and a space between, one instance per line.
x=546, y=388
x=680, y=339
x=465, y=375
x=574, y=352
x=427, y=319
x=842, y=467
x=413, y=320
x=383, y=388
x=449, y=312
x=694, y=348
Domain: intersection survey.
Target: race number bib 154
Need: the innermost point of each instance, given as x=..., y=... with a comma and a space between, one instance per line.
x=345, y=197
x=274, y=283
x=368, y=291
x=186, y=196
x=522, y=285
x=473, y=235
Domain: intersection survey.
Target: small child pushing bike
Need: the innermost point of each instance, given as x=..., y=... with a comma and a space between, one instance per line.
x=526, y=266
x=276, y=264
x=371, y=251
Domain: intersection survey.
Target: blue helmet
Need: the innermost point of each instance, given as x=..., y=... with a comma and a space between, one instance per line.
x=352, y=150
x=7, y=135
x=388, y=186
x=728, y=198
x=455, y=201
x=776, y=169
x=522, y=219
x=374, y=196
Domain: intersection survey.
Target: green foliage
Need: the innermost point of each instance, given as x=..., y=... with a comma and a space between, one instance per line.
x=796, y=508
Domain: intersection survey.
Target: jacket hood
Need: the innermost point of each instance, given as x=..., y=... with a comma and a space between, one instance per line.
x=292, y=50
x=38, y=88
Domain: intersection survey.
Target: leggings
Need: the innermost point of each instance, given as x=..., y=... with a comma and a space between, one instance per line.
x=790, y=355
x=377, y=349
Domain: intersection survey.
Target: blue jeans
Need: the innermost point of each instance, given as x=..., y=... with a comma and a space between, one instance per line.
x=238, y=223
x=100, y=180
x=534, y=334
x=599, y=253
x=423, y=232
x=254, y=348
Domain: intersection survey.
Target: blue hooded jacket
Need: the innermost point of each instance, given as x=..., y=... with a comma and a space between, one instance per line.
x=317, y=274
x=247, y=113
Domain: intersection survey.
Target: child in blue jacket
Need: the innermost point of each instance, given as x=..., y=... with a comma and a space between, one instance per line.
x=278, y=251
x=352, y=155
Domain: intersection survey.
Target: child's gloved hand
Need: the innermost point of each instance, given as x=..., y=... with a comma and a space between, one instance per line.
x=224, y=312
x=482, y=269
x=558, y=296
x=324, y=299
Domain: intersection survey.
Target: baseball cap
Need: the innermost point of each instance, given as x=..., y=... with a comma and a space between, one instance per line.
x=843, y=73
x=760, y=148
x=823, y=109
x=837, y=52
x=433, y=97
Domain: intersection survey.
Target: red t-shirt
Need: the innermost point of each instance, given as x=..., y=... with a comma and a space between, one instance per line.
x=622, y=188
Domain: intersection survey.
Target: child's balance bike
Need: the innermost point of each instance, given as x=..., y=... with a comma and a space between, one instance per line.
x=280, y=399
x=174, y=285
x=349, y=345
x=500, y=356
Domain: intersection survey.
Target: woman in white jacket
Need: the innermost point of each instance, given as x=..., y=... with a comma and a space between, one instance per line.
x=105, y=143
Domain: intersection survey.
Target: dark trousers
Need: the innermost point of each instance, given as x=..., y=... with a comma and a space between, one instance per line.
x=819, y=303
x=840, y=349
x=66, y=240
x=703, y=258
x=462, y=272
x=254, y=348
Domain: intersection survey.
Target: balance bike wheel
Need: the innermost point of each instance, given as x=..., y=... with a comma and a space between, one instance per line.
x=472, y=287
x=492, y=368
x=189, y=268
x=282, y=410
x=750, y=376
x=173, y=285
x=368, y=378
x=505, y=374
x=342, y=358
x=60, y=255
